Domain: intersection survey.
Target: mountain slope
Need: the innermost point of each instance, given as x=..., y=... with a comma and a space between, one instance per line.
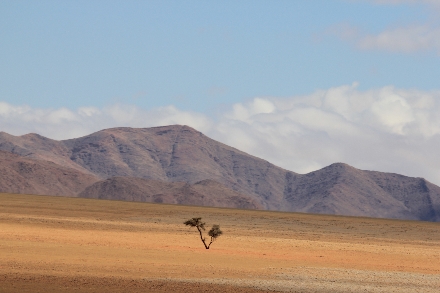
x=35, y=146
x=204, y=193
x=344, y=190
x=142, y=164
x=177, y=154
x=25, y=175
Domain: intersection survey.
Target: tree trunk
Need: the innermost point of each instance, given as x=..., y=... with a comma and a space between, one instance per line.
x=203, y=239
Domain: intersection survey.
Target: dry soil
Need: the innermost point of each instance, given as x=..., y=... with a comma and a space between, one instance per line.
x=57, y=244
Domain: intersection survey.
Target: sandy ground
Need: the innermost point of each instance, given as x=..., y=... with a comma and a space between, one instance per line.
x=56, y=244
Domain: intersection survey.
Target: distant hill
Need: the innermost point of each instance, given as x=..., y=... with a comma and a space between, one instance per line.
x=177, y=154
x=343, y=190
x=31, y=176
x=204, y=193
x=177, y=164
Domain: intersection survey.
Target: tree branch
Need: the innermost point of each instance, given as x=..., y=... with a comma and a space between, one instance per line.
x=203, y=239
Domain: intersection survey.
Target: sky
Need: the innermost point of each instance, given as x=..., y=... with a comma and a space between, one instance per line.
x=302, y=84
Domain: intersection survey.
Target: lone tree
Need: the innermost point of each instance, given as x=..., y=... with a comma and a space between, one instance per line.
x=213, y=233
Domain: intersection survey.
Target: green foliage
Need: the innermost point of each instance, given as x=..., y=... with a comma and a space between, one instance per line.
x=213, y=233
x=195, y=222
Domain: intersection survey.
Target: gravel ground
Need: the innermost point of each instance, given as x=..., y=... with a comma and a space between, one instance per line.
x=306, y=280
x=337, y=280
x=13, y=283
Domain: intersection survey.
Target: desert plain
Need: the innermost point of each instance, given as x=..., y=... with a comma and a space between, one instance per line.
x=61, y=244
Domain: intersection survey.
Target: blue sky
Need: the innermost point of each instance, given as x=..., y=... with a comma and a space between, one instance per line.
x=277, y=79
x=197, y=54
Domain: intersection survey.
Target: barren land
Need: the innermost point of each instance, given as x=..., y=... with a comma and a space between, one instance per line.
x=58, y=244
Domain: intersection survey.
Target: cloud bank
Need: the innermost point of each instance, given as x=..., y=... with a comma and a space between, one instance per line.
x=64, y=123
x=386, y=129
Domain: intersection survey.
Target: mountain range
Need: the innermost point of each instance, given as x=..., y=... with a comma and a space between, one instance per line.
x=177, y=164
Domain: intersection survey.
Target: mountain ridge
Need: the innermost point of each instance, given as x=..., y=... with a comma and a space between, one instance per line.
x=179, y=157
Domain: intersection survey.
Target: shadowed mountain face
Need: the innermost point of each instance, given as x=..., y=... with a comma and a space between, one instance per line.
x=205, y=193
x=25, y=175
x=177, y=164
x=340, y=189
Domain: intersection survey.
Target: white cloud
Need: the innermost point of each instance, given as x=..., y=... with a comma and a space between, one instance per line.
x=392, y=111
x=64, y=123
x=256, y=106
x=171, y=115
x=88, y=111
x=403, y=38
x=7, y=110
x=61, y=115
x=407, y=39
x=386, y=129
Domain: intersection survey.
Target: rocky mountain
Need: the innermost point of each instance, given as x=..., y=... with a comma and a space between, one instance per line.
x=341, y=189
x=177, y=164
x=24, y=175
x=177, y=154
x=39, y=147
x=169, y=153
x=204, y=193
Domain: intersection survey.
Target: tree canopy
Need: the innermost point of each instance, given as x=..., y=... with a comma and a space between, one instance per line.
x=214, y=233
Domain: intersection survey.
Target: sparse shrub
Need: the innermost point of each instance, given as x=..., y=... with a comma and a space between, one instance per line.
x=214, y=233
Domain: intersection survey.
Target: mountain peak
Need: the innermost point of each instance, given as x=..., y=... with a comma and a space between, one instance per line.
x=196, y=164
x=159, y=130
x=341, y=166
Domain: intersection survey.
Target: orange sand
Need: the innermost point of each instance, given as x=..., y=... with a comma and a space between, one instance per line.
x=56, y=244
